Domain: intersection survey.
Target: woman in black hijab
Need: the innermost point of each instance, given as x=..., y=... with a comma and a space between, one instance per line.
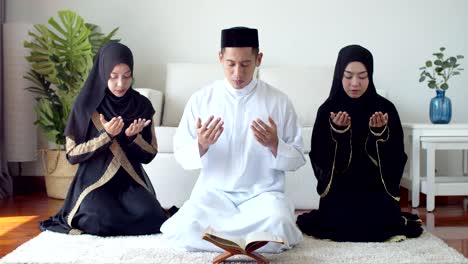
x=358, y=158
x=109, y=134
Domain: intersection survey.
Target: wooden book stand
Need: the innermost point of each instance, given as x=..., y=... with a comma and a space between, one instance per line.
x=249, y=252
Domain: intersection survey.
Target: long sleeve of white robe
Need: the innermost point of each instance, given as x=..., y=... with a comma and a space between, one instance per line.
x=237, y=162
x=290, y=155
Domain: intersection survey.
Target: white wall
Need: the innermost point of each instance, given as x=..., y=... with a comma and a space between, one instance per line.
x=401, y=34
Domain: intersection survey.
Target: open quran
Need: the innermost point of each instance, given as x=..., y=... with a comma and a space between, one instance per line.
x=236, y=245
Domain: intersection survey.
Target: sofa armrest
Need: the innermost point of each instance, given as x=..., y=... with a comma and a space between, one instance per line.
x=156, y=98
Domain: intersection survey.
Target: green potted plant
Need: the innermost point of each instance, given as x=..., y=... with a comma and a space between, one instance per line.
x=61, y=56
x=437, y=73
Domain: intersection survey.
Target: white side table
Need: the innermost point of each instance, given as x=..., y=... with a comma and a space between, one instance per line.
x=442, y=185
x=414, y=133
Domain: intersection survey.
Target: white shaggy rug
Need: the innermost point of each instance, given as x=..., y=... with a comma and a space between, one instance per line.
x=49, y=247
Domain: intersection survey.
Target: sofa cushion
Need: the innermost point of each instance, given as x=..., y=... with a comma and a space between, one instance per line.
x=165, y=137
x=306, y=86
x=182, y=80
x=156, y=98
x=306, y=138
x=170, y=181
x=301, y=187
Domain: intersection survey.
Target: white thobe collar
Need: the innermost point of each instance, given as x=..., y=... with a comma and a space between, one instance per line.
x=239, y=93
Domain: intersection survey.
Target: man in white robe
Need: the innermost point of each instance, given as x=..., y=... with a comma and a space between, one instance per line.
x=243, y=134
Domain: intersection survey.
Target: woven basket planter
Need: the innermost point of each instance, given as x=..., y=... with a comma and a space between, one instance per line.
x=58, y=173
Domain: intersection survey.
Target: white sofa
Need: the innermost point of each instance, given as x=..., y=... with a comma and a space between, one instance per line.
x=306, y=86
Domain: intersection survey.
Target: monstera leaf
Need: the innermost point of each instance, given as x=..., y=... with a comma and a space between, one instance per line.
x=61, y=56
x=62, y=52
x=97, y=38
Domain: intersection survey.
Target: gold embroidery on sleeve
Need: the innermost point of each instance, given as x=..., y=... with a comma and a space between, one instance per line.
x=150, y=148
x=325, y=192
x=406, y=220
x=378, y=134
x=96, y=121
x=337, y=130
x=144, y=145
x=369, y=155
x=327, y=189
x=154, y=140
x=396, y=198
x=69, y=144
x=86, y=147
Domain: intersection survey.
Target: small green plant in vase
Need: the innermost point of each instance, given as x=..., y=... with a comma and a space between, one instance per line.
x=437, y=73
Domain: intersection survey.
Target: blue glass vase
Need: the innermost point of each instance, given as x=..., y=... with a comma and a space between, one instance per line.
x=440, y=110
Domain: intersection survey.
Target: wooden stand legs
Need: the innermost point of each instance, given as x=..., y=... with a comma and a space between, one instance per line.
x=224, y=256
